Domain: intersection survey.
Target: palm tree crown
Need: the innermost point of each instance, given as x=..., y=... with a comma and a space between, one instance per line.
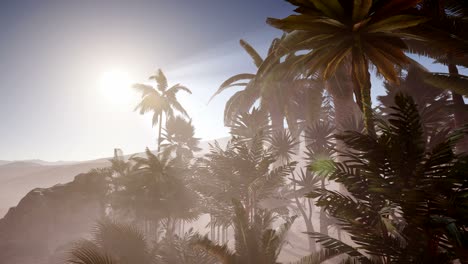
x=349, y=33
x=160, y=100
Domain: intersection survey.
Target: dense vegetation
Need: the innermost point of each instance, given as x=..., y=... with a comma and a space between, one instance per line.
x=390, y=178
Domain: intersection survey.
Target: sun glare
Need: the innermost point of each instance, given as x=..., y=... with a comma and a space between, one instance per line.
x=116, y=86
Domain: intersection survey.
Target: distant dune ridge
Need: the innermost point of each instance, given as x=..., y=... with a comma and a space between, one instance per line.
x=38, y=198
x=17, y=178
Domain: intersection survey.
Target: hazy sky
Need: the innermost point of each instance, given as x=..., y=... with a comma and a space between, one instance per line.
x=55, y=54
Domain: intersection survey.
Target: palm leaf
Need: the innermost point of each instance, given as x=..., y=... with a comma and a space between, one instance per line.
x=336, y=245
x=318, y=257
x=160, y=79
x=176, y=88
x=456, y=83
x=229, y=82
x=330, y=8
x=252, y=52
x=396, y=23
x=144, y=89
x=221, y=252
x=177, y=106
x=395, y=6
x=86, y=252
x=361, y=9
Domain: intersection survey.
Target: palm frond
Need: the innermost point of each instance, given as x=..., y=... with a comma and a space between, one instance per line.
x=252, y=52
x=86, y=252
x=318, y=257
x=335, y=245
x=458, y=84
x=229, y=82
x=222, y=252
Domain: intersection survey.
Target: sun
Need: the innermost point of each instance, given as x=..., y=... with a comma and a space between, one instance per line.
x=115, y=86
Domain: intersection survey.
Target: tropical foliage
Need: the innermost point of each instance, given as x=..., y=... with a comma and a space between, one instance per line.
x=352, y=34
x=255, y=241
x=405, y=200
x=160, y=100
x=384, y=184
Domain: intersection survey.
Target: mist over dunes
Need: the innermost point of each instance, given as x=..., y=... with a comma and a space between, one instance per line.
x=17, y=178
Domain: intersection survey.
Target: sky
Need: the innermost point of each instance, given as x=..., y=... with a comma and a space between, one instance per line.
x=60, y=61
x=54, y=54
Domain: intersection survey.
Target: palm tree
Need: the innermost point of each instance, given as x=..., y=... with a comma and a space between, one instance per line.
x=346, y=33
x=180, y=137
x=160, y=100
x=447, y=30
x=113, y=243
x=250, y=124
x=156, y=192
x=406, y=201
x=118, y=164
x=278, y=92
x=255, y=242
x=179, y=250
x=243, y=171
x=433, y=103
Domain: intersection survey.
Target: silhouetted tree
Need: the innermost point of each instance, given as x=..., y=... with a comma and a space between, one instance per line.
x=406, y=200
x=160, y=100
x=180, y=138
x=348, y=33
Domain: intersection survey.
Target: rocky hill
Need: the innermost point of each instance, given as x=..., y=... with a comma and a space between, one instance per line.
x=46, y=219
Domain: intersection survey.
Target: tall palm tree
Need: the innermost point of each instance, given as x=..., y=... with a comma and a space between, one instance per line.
x=160, y=100
x=278, y=92
x=352, y=33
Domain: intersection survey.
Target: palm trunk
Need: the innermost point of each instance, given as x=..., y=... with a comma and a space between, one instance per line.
x=307, y=218
x=323, y=217
x=160, y=130
x=362, y=88
x=277, y=122
x=367, y=105
x=341, y=90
